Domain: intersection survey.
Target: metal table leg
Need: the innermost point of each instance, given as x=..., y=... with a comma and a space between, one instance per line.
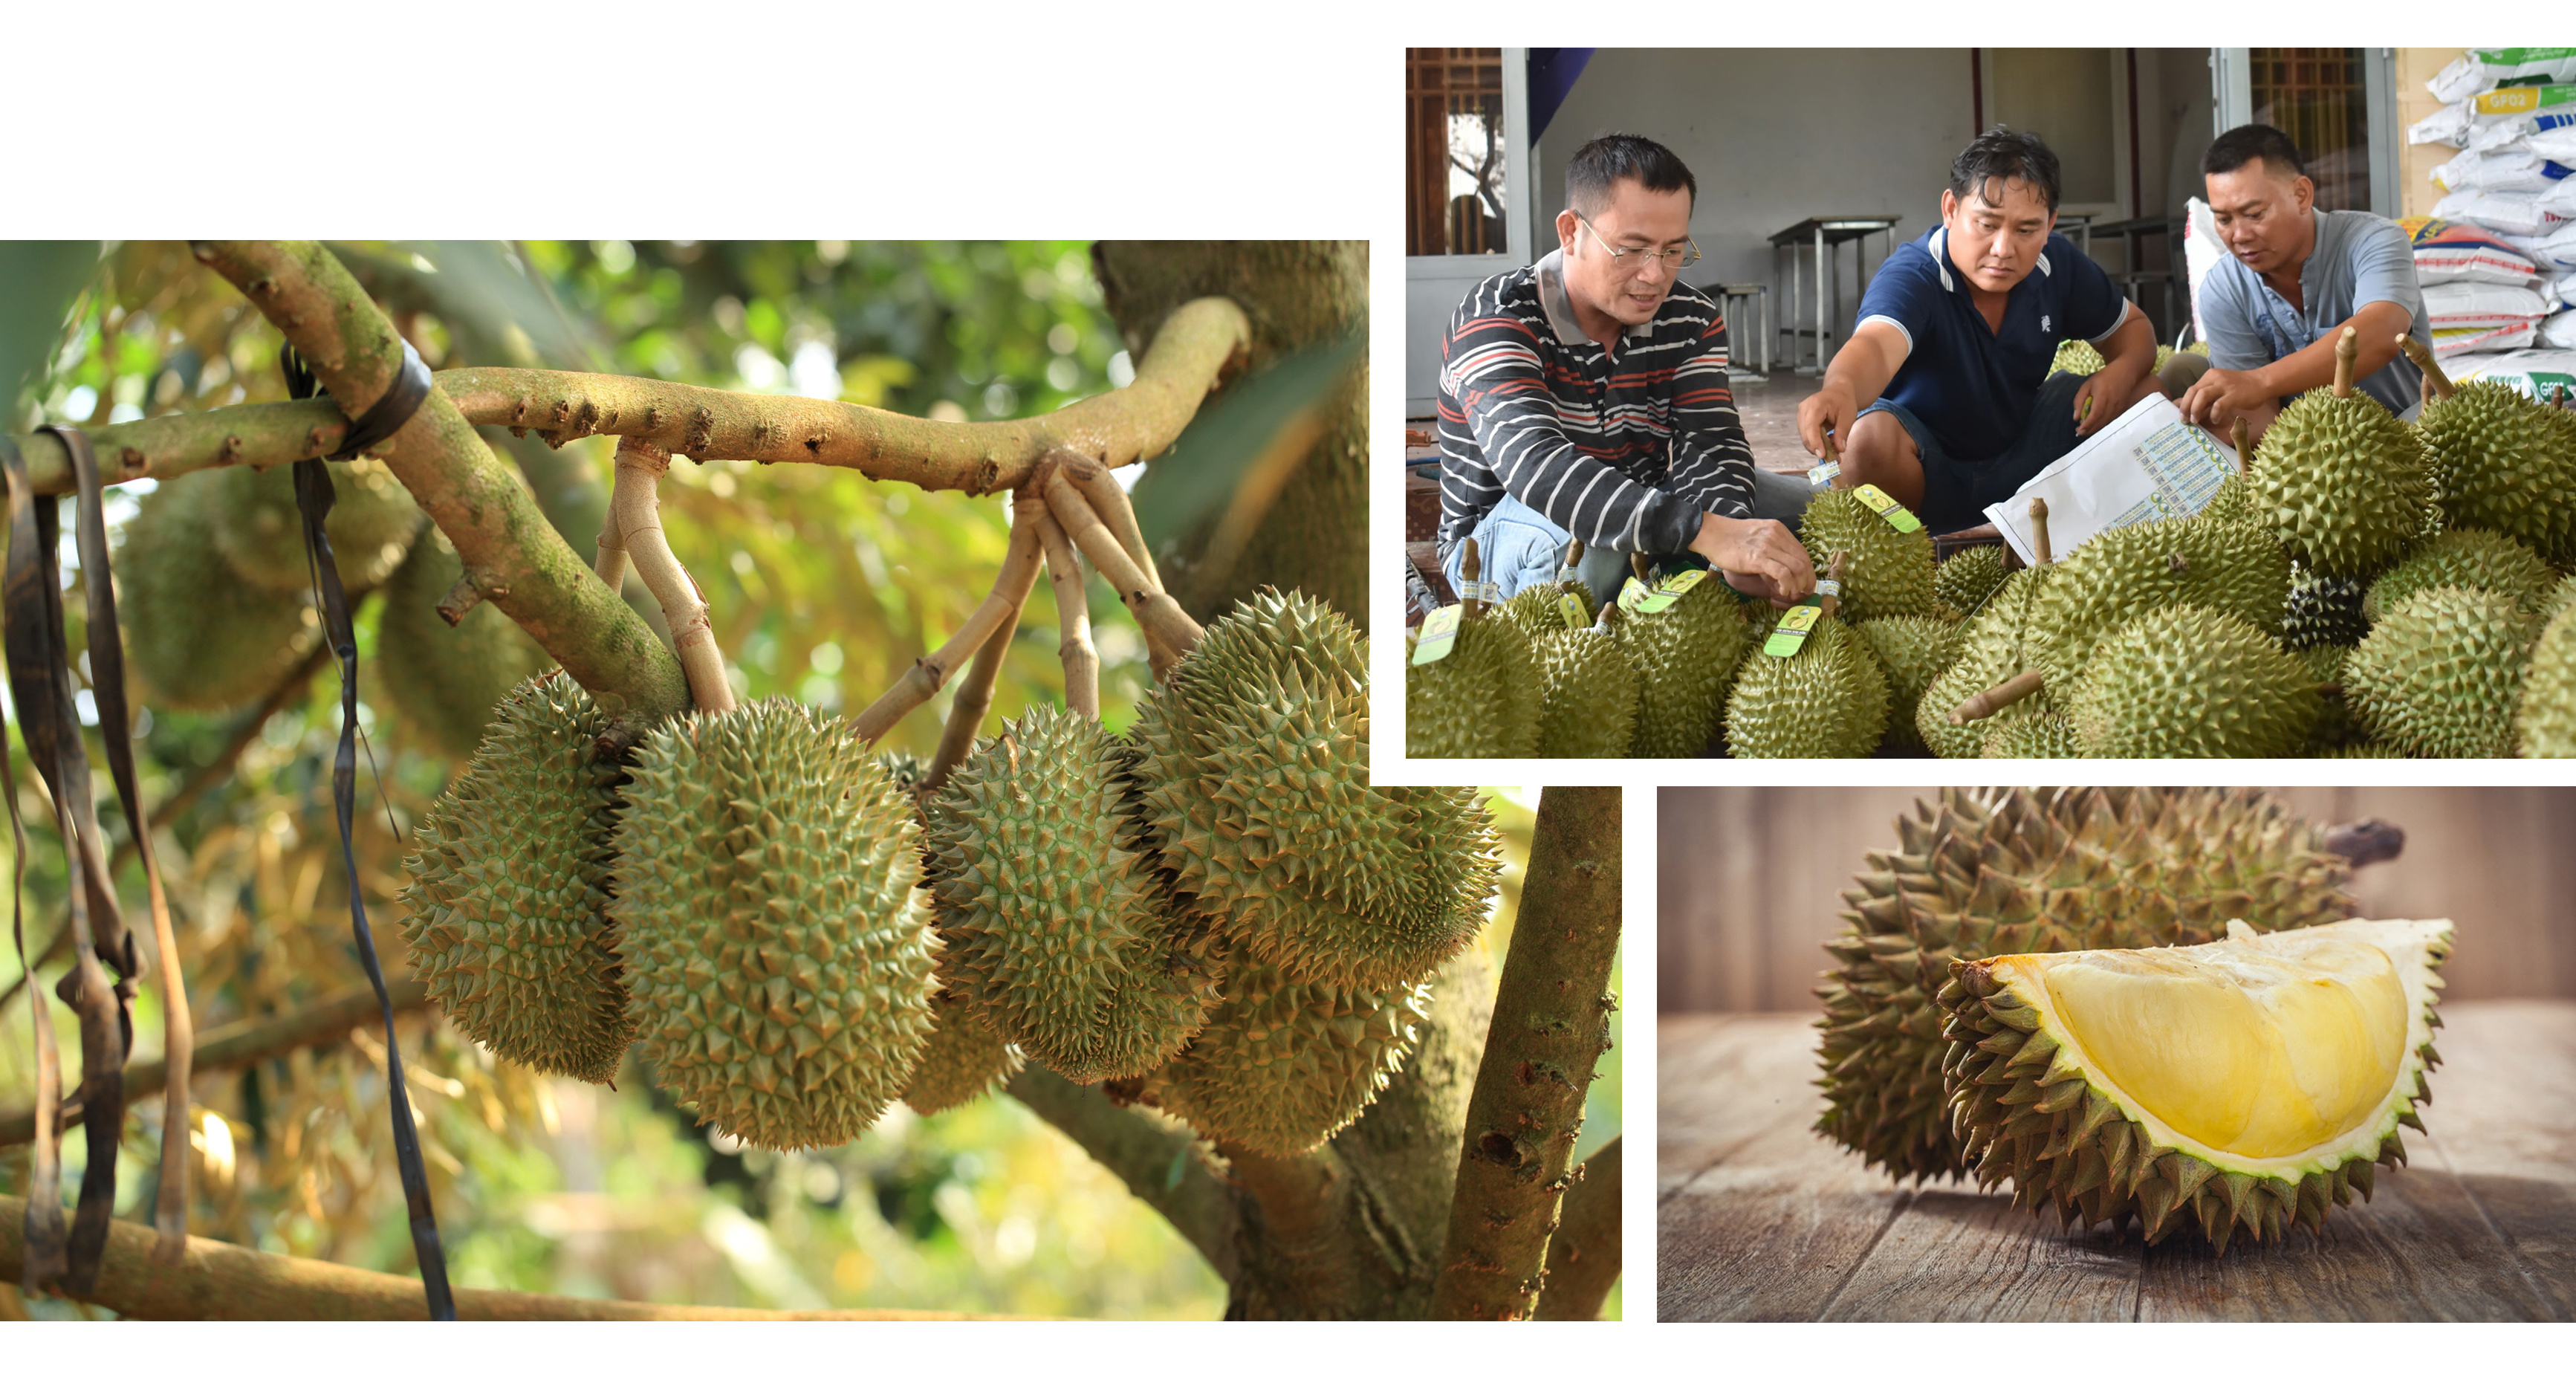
x=1820, y=299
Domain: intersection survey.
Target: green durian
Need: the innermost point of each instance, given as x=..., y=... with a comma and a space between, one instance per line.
x=1283, y=1064
x=2367, y=748
x=1991, y=870
x=1829, y=700
x=1686, y=657
x=2561, y=597
x=1587, y=693
x=506, y=918
x=2076, y=357
x=1886, y=573
x=2323, y=610
x=2186, y=681
x=2342, y=484
x=777, y=963
x=2127, y=571
x=2020, y=731
x=2546, y=720
x=1910, y=652
x=1478, y=701
x=445, y=681
x=198, y=636
x=964, y=1059
x=2071, y=1079
x=1966, y=580
x=260, y=531
x=2234, y=502
x=2335, y=725
x=1539, y=609
x=2440, y=674
x=1996, y=645
x=2504, y=462
x=2466, y=557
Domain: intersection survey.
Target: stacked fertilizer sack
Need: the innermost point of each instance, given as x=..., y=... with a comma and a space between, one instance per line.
x=2497, y=258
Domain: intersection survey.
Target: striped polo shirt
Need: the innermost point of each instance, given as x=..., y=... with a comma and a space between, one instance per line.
x=1624, y=451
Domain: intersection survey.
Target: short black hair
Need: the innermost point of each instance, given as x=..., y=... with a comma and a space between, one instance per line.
x=2008, y=154
x=1600, y=165
x=2245, y=143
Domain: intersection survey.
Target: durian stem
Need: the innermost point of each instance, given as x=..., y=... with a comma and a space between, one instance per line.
x=635, y=509
x=1471, y=568
x=1986, y=703
x=1551, y=1023
x=1573, y=558
x=2347, y=360
x=2039, y=530
x=1073, y=620
x=1170, y=634
x=1109, y=502
x=999, y=611
x=1834, y=572
x=2243, y=436
x=2421, y=355
x=2366, y=841
x=1583, y=1256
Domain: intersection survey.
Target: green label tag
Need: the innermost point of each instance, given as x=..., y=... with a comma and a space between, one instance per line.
x=1791, y=634
x=1630, y=595
x=1671, y=590
x=1570, y=605
x=1439, y=634
x=1877, y=501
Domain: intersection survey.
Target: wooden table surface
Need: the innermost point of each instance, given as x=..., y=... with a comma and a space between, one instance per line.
x=1758, y=1218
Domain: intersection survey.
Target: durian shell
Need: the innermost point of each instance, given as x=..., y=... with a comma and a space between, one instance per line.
x=1829, y=700
x=2076, y=357
x=2504, y=462
x=1686, y=657
x=260, y=531
x=1587, y=695
x=1283, y=1065
x=445, y=681
x=2470, y=558
x=2335, y=726
x=2342, y=484
x=2128, y=571
x=1478, y=701
x=963, y=1061
x=2323, y=610
x=2546, y=720
x=1968, y=579
x=1536, y=612
x=2441, y=673
x=1910, y=652
x=1886, y=573
x=2020, y=731
x=1995, y=646
x=198, y=636
x=2186, y=681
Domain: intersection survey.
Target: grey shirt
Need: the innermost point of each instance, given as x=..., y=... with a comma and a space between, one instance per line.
x=2359, y=258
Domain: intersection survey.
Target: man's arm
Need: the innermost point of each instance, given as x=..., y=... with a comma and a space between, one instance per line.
x=2221, y=394
x=1712, y=469
x=2128, y=351
x=1859, y=373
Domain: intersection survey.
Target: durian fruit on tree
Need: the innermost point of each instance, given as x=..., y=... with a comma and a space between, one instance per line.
x=1991, y=871
x=1587, y=691
x=1479, y=699
x=444, y=681
x=2467, y=557
x=1686, y=657
x=2500, y=460
x=2237, y=1087
x=776, y=959
x=2441, y=673
x=964, y=1059
x=2186, y=681
x=2546, y=721
x=1827, y=698
x=1284, y=1064
x=2343, y=483
x=260, y=531
x=199, y=637
x=506, y=917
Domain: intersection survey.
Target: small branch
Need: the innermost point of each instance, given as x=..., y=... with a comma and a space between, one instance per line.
x=1073, y=620
x=1986, y=703
x=1551, y=1023
x=999, y=611
x=242, y=1042
x=1093, y=481
x=1157, y=1160
x=1170, y=634
x=216, y=1281
x=1583, y=1256
x=635, y=510
x=974, y=697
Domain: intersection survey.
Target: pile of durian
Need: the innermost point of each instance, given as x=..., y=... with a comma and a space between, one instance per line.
x=2145, y=1007
x=1215, y=910
x=2367, y=588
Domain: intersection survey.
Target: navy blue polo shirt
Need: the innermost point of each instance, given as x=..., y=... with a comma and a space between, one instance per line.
x=1975, y=387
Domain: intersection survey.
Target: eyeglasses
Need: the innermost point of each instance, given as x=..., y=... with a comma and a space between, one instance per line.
x=1675, y=259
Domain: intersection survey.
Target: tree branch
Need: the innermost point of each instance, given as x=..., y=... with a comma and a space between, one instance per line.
x=995, y=617
x=1170, y=634
x=1583, y=1256
x=1073, y=620
x=1157, y=1161
x=635, y=510
x=1551, y=1022
x=217, y=1281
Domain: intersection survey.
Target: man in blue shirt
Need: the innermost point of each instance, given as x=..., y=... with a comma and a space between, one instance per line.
x=1942, y=396
x=2297, y=276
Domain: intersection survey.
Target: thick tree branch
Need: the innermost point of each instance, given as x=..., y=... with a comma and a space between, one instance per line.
x=1551, y=1023
x=243, y=1042
x=1583, y=1255
x=1157, y=1161
x=217, y=1281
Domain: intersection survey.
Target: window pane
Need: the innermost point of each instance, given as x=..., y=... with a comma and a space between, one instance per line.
x=1453, y=151
x=2315, y=95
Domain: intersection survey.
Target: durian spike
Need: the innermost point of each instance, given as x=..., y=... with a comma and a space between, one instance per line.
x=2421, y=355
x=1169, y=633
x=1986, y=703
x=1093, y=481
x=1073, y=620
x=1001, y=608
x=966, y=708
x=1834, y=572
x=2244, y=438
x=635, y=507
x=1471, y=567
x=2039, y=531
x=2347, y=358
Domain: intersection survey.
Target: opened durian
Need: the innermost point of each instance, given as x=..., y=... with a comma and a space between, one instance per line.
x=1283, y=1064
x=200, y=636
x=443, y=680
x=259, y=529
x=2240, y=1086
x=2342, y=482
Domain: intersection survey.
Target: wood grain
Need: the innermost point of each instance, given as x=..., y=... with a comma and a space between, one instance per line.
x=1760, y=1219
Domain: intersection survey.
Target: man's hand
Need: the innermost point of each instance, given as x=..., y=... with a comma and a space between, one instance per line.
x=1831, y=408
x=2221, y=395
x=1758, y=557
x=2096, y=402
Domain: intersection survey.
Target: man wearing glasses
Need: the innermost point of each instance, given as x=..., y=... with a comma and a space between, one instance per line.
x=1943, y=397
x=1585, y=397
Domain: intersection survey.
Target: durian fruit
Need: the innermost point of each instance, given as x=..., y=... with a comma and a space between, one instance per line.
x=1251, y=788
x=2561, y=597
x=2323, y=610
x=2076, y=357
x=506, y=917
x=964, y=1060
x=1686, y=657
x=2500, y=460
x=1910, y=652
x=2367, y=748
x=2127, y=571
x=1054, y=931
x=2335, y=726
x=2023, y=731
x=2185, y=681
x=2440, y=674
x=259, y=529
x=1539, y=609
x=1995, y=646
x=2342, y=483
x=1587, y=691
x=2468, y=557
x=200, y=637
x=445, y=681
x=777, y=962
x=1968, y=579
x=1283, y=1064
x=1828, y=700
x=1989, y=871
x=1886, y=573
x=2241, y=1086
x=1480, y=700
x=2546, y=720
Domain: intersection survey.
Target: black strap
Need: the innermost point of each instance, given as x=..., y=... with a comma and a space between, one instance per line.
x=313, y=498
x=386, y=416
x=44, y=1261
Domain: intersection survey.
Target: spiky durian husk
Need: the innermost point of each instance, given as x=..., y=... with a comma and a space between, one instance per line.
x=2028, y=1118
x=261, y=532
x=1686, y=656
x=506, y=917
x=2021, y=731
x=2502, y=461
x=1910, y=651
x=2439, y=676
x=2471, y=559
x=1886, y=573
x=1283, y=1065
x=2335, y=725
x=1992, y=871
x=2561, y=597
x=2127, y=571
x=2076, y=357
x=2369, y=749
x=1052, y=928
x=2186, y=681
x=1251, y=766
x=199, y=636
x=2547, y=717
x=964, y=1059
x=2342, y=484
x=1587, y=695
x=2323, y=610
x=1478, y=701
x=1829, y=700
x=777, y=962
x=445, y=681
x=2234, y=501
x=1965, y=581
x=1996, y=645
x=1537, y=610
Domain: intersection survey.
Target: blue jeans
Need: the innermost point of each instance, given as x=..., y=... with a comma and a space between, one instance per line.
x=1516, y=545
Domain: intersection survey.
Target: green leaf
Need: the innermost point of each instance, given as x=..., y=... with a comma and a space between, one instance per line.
x=1191, y=483
x=496, y=312
x=39, y=282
